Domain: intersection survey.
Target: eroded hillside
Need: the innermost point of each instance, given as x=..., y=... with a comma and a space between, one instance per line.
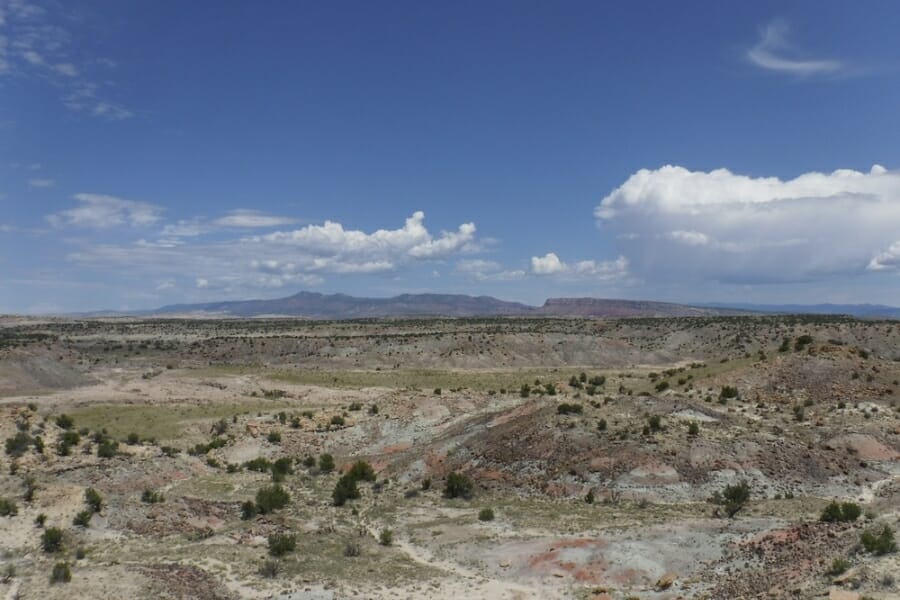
x=606, y=458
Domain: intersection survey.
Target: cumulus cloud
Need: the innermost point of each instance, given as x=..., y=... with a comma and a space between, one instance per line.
x=773, y=52
x=672, y=223
x=550, y=264
x=100, y=211
x=281, y=258
x=888, y=260
x=331, y=247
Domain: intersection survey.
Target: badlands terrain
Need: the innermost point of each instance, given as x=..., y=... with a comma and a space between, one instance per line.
x=506, y=457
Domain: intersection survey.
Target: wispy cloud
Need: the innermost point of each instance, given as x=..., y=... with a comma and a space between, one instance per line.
x=241, y=218
x=39, y=183
x=33, y=45
x=487, y=270
x=774, y=52
x=99, y=211
x=252, y=218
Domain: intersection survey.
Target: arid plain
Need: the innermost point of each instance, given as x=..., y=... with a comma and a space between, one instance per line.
x=708, y=457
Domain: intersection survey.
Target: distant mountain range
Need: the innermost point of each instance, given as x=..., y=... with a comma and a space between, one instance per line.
x=856, y=310
x=313, y=305
x=340, y=306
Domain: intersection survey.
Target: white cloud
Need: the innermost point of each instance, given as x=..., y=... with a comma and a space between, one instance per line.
x=34, y=44
x=41, y=183
x=887, y=260
x=186, y=228
x=162, y=286
x=235, y=219
x=100, y=211
x=66, y=69
x=691, y=238
x=277, y=259
x=202, y=283
x=721, y=226
x=769, y=53
x=487, y=270
x=331, y=247
x=550, y=264
x=252, y=219
x=111, y=111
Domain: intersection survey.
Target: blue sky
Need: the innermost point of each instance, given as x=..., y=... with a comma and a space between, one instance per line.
x=155, y=152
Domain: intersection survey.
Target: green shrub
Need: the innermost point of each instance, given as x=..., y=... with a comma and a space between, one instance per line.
x=61, y=573
x=274, y=437
x=248, y=510
x=8, y=508
x=840, y=513
x=728, y=392
x=693, y=429
x=282, y=467
x=271, y=498
x=733, y=498
x=83, y=519
x=259, y=464
x=486, y=514
x=18, y=444
x=152, y=497
x=326, y=463
x=838, y=567
x=107, y=448
x=30, y=488
x=338, y=421
x=589, y=497
x=386, y=537
x=345, y=489
x=309, y=462
x=40, y=520
x=880, y=542
x=566, y=408
x=655, y=423
x=525, y=390
x=851, y=511
x=802, y=342
x=93, y=499
x=282, y=543
x=362, y=471
x=458, y=485
x=662, y=386
x=133, y=439
x=65, y=422
x=52, y=539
